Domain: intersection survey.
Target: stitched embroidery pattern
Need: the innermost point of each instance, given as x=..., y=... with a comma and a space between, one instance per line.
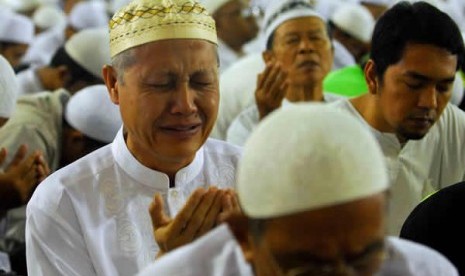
x=186, y=8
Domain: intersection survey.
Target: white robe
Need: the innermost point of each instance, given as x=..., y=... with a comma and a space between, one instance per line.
x=227, y=56
x=91, y=217
x=237, y=91
x=420, y=167
x=218, y=254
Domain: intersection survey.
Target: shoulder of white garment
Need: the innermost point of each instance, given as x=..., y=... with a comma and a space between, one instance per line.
x=215, y=254
x=29, y=82
x=408, y=258
x=241, y=128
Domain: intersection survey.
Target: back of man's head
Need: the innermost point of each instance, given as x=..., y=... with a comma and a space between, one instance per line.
x=84, y=55
x=419, y=23
x=300, y=158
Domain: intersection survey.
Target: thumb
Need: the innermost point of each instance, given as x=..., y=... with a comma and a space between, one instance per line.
x=157, y=212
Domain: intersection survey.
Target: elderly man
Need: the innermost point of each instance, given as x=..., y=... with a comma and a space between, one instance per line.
x=299, y=55
x=416, y=51
x=320, y=215
x=164, y=77
x=235, y=26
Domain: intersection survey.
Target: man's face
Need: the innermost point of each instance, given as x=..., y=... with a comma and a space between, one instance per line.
x=303, y=48
x=414, y=91
x=169, y=100
x=232, y=22
x=346, y=239
x=14, y=53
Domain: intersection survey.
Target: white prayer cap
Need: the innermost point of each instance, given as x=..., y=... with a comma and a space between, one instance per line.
x=92, y=112
x=16, y=28
x=48, y=16
x=90, y=49
x=305, y=157
x=280, y=11
x=8, y=88
x=355, y=20
x=213, y=5
x=20, y=5
x=88, y=14
x=116, y=5
x=144, y=21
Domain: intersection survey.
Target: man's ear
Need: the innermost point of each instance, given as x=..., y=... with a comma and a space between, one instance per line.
x=238, y=224
x=268, y=56
x=371, y=77
x=111, y=81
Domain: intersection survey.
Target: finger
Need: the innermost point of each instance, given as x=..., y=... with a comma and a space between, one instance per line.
x=157, y=212
x=276, y=90
x=3, y=154
x=200, y=213
x=271, y=78
x=25, y=166
x=18, y=157
x=183, y=217
x=211, y=218
x=261, y=77
x=43, y=166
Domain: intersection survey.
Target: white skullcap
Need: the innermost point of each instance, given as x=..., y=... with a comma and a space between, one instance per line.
x=355, y=20
x=305, y=157
x=92, y=112
x=115, y=5
x=20, y=5
x=48, y=16
x=89, y=14
x=144, y=21
x=213, y=5
x=90, y=49
x=280, y=11
x=16, y=28
x=8, y=88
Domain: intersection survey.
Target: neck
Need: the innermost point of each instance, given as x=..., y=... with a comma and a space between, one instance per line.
x=367, y=107
x=304, y=93
x=155, y=161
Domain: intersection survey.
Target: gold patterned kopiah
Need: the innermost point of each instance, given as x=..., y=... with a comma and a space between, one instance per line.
x=186, y=8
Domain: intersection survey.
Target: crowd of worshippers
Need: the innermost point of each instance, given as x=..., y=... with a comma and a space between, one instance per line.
x=232, y=137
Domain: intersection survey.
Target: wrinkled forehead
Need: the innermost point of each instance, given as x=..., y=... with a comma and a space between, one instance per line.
x=301, y=25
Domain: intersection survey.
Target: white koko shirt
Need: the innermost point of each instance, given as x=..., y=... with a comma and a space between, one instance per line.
x=91, y=217
x=419, y=167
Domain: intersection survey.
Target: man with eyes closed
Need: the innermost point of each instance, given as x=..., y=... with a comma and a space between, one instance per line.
x=91, y=218
x=298, y=56
x=416, y=51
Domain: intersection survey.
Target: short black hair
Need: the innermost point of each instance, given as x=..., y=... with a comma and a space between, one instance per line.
x=417, y=22
x=77, y=72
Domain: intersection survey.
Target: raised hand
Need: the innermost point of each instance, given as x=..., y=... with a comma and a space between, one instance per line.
x=271, y=89
x=199, y=215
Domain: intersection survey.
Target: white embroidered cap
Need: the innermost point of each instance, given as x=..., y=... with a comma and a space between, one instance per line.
x=92, y=112
x=8, y=88
x=90, y=49
x=355, y=20
x=88, y=14
x=16, y=28
x=280, y=11
x=305, y=157
x=213, y=5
